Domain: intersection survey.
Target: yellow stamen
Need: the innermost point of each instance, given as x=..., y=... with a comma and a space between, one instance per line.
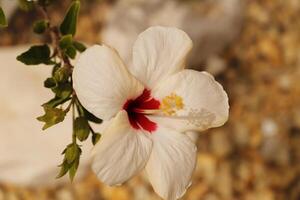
x=171, y=104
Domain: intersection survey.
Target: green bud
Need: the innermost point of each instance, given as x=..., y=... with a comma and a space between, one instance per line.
x=95, y=138
x=40, y=27
x=73, y=152
x=61, y=75
x=50, y=83
x=81, y=128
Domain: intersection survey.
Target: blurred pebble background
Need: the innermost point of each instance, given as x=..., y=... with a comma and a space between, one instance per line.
x=256, y=154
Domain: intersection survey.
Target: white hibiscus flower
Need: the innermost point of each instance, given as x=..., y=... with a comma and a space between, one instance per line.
x=149, y=105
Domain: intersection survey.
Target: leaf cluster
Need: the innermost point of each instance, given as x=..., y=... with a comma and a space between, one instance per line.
x=71, y=161
x=58, y=55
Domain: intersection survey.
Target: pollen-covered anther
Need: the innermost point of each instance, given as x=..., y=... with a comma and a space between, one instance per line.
x=171, y=104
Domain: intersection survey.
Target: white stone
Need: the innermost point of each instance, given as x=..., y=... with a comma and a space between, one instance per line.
x=269, y=127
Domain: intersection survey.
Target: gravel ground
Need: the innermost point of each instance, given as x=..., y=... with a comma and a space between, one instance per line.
x=256, y=155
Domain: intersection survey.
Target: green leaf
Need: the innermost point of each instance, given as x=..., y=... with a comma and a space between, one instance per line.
x=36, y=55
x=92, y=117
x=66, y=41
x=85, y=113
x=63, y=90
x=79, y=46
x=80, y=108
x=52, y=116
x=71, y=52
x=64, y=168
x=73, y=152
x=3, y=22
x=56, y=101
x=73, y=169
x=50, y=83
x=68, y=25
x=81, y=128
x=95, y=138
x=40, y=27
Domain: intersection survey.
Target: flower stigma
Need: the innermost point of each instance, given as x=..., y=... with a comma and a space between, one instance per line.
x=138, y=108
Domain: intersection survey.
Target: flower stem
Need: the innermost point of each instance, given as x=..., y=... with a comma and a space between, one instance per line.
x=73, y=124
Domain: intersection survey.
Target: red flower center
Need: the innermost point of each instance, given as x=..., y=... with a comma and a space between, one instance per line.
x=137, y=109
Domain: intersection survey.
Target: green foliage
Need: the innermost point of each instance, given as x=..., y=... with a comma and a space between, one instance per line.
x=79, y=46
x=64, y=168
x=89, y=116
x=63, y=90
x=69, y=46
x=36, y=55
x=72, y=152
x=61, y=86
x=71, y=161
x=66, y=41
x=64, y=48
x=52, y=116
x=73, y=169
x=40, y=26
x=52, y=103
x=81, y=128
x=71, y=52
x=69, y=23
x=3, y=22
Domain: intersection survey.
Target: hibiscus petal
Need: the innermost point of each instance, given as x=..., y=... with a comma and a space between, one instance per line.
x=159, y=52
x=102, y=82
x=121, y=152
x=171, y=163
x=205, y=103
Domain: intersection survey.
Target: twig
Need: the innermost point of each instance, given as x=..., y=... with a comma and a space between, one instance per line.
x=55, y=38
